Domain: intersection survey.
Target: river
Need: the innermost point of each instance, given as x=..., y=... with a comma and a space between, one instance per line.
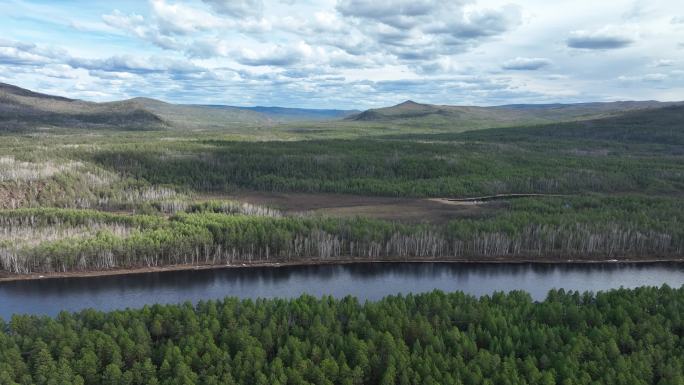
x=367, y=281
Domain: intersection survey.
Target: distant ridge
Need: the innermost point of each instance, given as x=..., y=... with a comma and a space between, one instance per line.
x=24, y=109
x=8, y=89
x=285, y=113
x=21, y=109
x=662, y=125
x=411, y=112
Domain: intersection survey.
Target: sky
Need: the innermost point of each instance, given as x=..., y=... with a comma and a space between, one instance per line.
x=347, y=54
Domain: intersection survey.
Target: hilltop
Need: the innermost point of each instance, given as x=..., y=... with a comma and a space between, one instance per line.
x=662, y=125
x=470, y=117
x=21, y=108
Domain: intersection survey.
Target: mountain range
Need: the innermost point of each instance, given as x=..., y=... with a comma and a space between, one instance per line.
x=21, y=108
x=24, y=109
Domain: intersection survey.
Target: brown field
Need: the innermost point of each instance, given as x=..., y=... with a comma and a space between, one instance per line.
x=411, y=210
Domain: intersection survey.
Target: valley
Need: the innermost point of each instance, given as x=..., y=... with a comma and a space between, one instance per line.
x=603, y=182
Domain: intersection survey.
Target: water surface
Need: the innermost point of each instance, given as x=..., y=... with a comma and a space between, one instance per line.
x=366, y=281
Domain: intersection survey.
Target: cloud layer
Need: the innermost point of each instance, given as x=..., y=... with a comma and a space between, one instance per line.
x=598, y=40
x=346, y=53
x=526, y=64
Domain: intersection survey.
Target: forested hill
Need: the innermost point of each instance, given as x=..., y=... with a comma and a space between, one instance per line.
x=190, y=116
x=459, y=118
x=24, y=109
x=618, y=337
x=664, y=125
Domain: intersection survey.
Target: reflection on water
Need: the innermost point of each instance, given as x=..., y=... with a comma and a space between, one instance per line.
x=366, y=281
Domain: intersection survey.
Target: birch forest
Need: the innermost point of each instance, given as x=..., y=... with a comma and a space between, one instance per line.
x=227, y=233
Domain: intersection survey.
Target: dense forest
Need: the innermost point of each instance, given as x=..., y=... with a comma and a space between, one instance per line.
x=218, y=232
x=426, y=167
x=628, y=337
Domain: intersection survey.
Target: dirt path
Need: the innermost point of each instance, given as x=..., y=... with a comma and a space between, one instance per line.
x=488, y=198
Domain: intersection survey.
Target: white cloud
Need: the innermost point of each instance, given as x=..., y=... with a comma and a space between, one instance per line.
x=425, y=30
x=15, y=55
x=20, y=53
x=348, y=53
x=663, y=63
x=137, y=65
x=59, y=71
x=652, y=77
x=526, y=63
x=138, y=26
x=237, y=8
x=180, y=19
x=274, y=55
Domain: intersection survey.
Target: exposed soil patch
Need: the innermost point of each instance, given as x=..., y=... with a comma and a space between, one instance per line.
x=412, y=210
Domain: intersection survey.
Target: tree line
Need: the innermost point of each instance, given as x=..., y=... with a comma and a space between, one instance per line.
x=219, y=233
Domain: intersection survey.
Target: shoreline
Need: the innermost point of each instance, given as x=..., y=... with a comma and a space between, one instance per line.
x=318, y=262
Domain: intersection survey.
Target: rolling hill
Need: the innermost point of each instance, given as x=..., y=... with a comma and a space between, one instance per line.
x=663, y=125
x=471, y=117
x=24, y=109
x=21, y=109
x=191, y=116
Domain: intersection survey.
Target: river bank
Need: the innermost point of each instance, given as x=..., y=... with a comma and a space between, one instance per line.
x=9, y=277
x=365, y=281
